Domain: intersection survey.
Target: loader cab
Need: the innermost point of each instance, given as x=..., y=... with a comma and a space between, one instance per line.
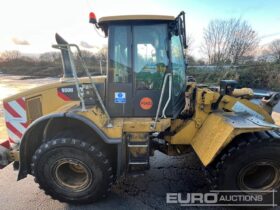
x=142, y=52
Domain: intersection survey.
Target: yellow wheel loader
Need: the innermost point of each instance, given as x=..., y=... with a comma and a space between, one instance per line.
x=79, y=135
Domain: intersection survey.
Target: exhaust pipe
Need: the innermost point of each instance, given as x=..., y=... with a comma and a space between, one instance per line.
x=65, y=55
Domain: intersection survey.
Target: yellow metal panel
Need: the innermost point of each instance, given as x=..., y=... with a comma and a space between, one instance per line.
x=185, y=134
x=51, y=102
x=99, y=119
x=70, y=105
x=218, y=130
x=49, y=98
x=211, y=137
x=144, y=125
x=204, y=100
x=243, y=92
x=53, y=85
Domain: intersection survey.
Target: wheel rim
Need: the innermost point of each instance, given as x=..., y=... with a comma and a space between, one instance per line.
x=262, y=175
x=72, y=175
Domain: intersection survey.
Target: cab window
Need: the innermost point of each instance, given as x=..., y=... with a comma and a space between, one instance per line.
x=178, y=65
x=119, y=55
x=150, y=55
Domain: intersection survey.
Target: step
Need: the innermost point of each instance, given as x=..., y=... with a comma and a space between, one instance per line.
x=138, y=163
x=138, y=145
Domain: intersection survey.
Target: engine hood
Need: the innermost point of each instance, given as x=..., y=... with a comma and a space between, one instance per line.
x=53, y=85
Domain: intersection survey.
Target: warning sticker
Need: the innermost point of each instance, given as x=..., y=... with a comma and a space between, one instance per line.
x=146, y=103
x=120, y=97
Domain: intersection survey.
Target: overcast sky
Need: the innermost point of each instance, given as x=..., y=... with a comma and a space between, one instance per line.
x=29, y=25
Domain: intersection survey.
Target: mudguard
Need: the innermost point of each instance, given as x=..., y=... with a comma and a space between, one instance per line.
x=28, y=145
x=221, y=128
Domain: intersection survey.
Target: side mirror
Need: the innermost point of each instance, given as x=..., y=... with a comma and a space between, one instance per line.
x=181, y=28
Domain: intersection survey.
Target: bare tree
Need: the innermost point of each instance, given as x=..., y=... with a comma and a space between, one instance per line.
x=228, y=41
x=10, y=55
x=274, y=49
x=244, y=42
x=86, y=54
x=189, y=42
x=50, y=57
x=102, y=53
x=88, y=57
x=188, y=51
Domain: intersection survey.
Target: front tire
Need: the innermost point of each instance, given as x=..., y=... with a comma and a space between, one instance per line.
x=250, y=165
x=72, y=171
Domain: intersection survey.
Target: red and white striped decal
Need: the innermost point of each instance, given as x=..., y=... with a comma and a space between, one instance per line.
x=16, y=119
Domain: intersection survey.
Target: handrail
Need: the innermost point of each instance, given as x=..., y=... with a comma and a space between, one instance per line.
x=68, y=46
x=168, y=100
x=74, y=72
x=168, y=75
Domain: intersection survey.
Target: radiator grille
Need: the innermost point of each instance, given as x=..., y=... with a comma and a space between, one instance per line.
x=34, y=108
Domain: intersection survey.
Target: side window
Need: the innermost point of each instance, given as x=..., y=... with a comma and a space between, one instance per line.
x=119, y=55
x=150, y=58
x=178, y=65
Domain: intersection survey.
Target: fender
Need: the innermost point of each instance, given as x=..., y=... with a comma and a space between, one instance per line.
x=29, y=145
x=220, y=128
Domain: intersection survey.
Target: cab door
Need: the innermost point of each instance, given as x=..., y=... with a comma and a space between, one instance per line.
x=150, y=64
x=119, y=85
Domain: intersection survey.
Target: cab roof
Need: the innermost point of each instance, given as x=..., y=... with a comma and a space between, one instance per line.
x=135, y=17
x=104, y=21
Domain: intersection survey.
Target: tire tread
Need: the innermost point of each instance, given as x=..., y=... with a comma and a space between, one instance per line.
x=213, y=171
x=91, y=149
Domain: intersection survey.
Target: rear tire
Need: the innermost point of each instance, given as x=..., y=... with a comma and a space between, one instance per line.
x=250, y=165
x=72, y=171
